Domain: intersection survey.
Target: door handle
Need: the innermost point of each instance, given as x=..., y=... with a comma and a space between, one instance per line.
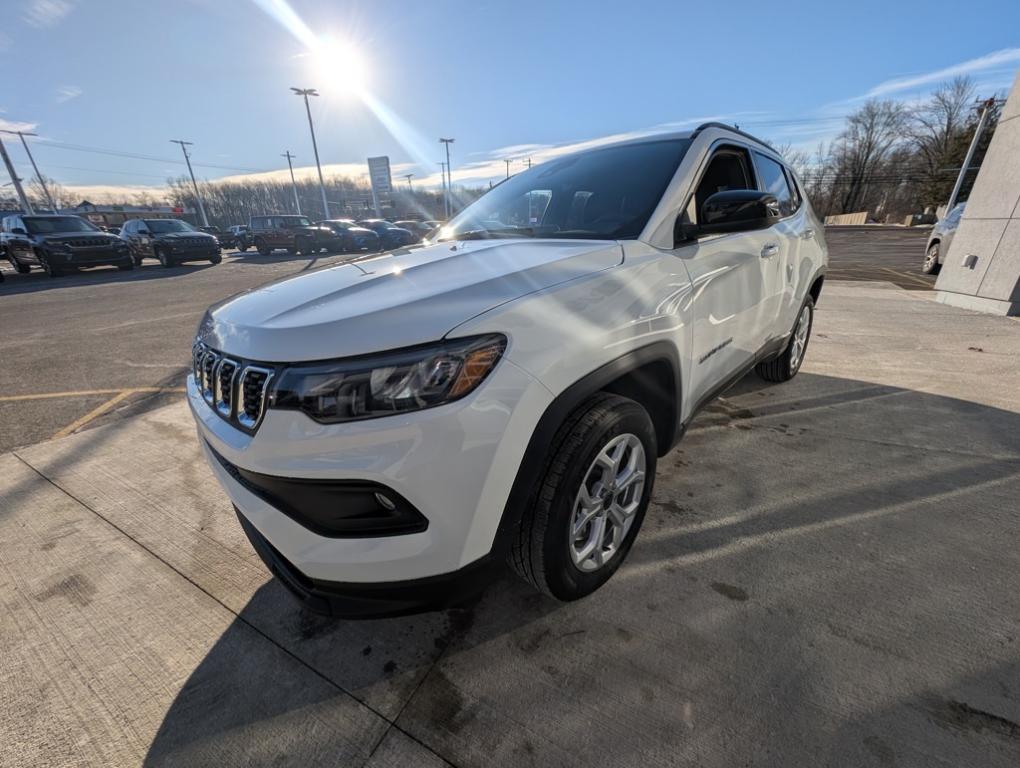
x=769, y=250
x=808, y=234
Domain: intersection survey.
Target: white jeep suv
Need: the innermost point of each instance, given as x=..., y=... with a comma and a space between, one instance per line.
x=391, y=431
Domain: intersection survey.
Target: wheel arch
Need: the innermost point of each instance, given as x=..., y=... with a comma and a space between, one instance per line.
x=651, y=375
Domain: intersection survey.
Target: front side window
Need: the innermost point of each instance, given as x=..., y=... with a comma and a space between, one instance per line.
x=773, y=180
x=607, y=193
x=728, y=169
x=46, y=225
x=295, y=221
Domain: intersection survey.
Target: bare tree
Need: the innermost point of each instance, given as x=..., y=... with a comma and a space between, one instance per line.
x=940, y=136
x=864, y=147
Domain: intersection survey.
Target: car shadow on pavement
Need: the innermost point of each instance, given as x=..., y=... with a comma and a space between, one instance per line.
x=37, y=280
x=827, y=568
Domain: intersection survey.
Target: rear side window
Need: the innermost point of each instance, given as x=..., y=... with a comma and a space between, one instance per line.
x=773, y=179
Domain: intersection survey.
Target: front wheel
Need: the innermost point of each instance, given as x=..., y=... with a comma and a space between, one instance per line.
x=931, y=264
x=164, y=258
x=242, y=248
x=216, y=259
x=50, y=269
x=21, y=269
x=589, y=505
x=785, y=366
x=127, y=264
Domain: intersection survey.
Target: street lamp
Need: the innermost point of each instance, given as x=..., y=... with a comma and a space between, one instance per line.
x=293, y=184
x=449, y=173
x=42, y=182
x=306, y=92
x=409, y=176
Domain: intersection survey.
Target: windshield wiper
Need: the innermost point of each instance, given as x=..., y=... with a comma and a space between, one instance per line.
x=490, y=234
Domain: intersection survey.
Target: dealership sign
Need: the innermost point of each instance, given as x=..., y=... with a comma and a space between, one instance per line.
x=382, y=181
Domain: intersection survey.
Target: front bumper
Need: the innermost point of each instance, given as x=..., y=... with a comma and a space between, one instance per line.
x=88, y=257
x=455, y=464
x=193, y=253
x=378, y=600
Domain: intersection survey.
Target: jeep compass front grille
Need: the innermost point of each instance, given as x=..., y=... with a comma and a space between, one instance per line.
x=236, y=390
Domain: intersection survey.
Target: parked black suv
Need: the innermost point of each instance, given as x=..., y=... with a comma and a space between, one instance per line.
x=295, y=233
x=172, y=241
x=352, y=237
x=390, y=235
x=58, y=243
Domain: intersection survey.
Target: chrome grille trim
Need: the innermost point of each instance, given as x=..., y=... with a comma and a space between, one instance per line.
x=223, y=396
x=249, y=417
x=209, y=360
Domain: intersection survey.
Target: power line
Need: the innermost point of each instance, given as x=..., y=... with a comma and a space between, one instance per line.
x=53, y=144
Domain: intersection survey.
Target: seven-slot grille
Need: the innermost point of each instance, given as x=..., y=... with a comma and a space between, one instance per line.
x=89, y=242
x=236, y=390
x=190, y=241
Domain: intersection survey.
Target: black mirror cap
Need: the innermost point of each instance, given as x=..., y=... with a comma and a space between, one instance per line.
x=738, y=210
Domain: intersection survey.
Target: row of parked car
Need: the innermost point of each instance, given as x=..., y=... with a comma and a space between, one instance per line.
x=58, y=243
x=298, y=234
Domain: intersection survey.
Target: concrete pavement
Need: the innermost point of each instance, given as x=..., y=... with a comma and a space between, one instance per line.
x=828, y=576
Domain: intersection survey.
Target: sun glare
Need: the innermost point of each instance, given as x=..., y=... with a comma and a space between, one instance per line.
x=339, y=67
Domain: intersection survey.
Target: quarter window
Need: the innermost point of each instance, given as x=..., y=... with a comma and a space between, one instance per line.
x=773, y=179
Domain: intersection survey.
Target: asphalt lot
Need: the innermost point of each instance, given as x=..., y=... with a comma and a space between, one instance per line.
x=828, y=576
x=98, y=345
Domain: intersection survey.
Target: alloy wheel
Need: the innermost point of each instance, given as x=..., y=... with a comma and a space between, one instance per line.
x=605, y=505
x=800, y=337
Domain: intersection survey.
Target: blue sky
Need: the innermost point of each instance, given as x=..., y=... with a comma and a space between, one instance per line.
x=534, y=77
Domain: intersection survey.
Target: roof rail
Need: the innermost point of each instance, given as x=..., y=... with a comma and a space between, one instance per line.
x=714, y=124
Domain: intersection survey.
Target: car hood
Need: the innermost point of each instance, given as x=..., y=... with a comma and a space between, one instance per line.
x=66, y=237
x=180, y=235
x=408, y=297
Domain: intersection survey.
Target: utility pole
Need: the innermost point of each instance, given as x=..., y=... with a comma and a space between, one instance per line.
x=15, y=180
x=507, y=161
x=42, y=182
x=529, y=163
x=306, y=92
x=986, y=107
x=293, y=184
x=409, y=176
x=187, y=159
x=449, y=173
x=442, y=166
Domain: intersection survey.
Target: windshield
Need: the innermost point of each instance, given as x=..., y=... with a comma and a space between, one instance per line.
x=47, y=225
x=297, y=221
x=604, y=194
x=165, y=226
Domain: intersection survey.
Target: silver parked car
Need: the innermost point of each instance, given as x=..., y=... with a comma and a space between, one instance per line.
x=939, y=240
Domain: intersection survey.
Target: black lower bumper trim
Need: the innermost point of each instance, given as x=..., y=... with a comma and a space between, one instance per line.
x=355, y=600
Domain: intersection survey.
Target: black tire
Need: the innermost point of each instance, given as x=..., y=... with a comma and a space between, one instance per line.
x=21, y=269
x=242, y=248
x=540, y=548
x=931, y=264
x=262, y=248
x=216, y=259
x=50, y=269
x=302, y=247
x=126, y=265
x=785, y=366
x=164, y=258
x=137, y=260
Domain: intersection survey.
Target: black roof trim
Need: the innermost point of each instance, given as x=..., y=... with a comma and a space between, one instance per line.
x=725, y=127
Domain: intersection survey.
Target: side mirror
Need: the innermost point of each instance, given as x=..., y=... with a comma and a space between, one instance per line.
x=738, y=210
x=18, y=231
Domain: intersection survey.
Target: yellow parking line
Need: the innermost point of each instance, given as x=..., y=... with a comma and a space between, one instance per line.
x=93, y=414
x=85, y=393
x=905, y=276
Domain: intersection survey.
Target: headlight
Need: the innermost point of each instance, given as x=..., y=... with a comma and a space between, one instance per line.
x=393, y=382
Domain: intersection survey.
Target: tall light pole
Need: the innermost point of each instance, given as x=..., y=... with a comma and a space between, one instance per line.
x=986, y=107
x=187, y=159
x=508, y=161
x=15, y=180
x=409, y=176
x=442, y=167
x=42, y=182
x=306, y=92
x=449, y=173
x=293, y=184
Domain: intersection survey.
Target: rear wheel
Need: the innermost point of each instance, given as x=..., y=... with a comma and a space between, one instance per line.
x=262, y=248
x=242, y=248
x=931, y=264
x=589, y=505
x=785, y=366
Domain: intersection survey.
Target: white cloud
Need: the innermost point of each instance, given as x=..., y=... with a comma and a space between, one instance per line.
x=11, y=125
x=46, y=13
x=1006, y=58
x=67, y=92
